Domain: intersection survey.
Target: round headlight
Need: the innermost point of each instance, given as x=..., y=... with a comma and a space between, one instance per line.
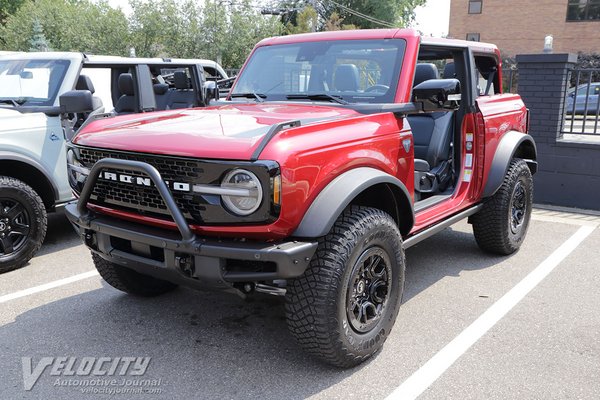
x=242, y=192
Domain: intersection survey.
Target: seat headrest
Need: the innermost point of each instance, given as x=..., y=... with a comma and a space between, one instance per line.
x=180, y=80
x=84, y=83
x=160, y=88
x=126, y=84
x=450, y=71
x=425, y=72
x=346, y=78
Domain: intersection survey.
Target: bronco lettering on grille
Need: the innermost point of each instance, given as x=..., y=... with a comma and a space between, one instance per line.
x=142, y=181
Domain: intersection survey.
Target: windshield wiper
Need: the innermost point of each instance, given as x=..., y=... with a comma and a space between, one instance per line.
x=250, y=95
x=317, y=96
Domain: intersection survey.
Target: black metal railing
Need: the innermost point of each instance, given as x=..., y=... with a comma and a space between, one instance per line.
x=581, y=114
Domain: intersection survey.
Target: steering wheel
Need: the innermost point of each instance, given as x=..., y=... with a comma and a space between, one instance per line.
x=377, y=88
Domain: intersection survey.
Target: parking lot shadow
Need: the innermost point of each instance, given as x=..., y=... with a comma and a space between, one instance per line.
x=448, y=253
x=213, y=345
x=202, y=345
x=60, y=234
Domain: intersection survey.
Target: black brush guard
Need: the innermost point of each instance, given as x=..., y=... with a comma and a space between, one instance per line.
x=183, y=257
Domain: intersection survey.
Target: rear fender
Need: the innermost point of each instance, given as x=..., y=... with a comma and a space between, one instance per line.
x=512, y=145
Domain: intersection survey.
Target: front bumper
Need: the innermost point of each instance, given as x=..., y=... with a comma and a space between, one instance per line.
x=181, y=257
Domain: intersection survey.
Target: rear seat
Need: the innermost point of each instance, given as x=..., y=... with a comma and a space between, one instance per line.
x=183, y=96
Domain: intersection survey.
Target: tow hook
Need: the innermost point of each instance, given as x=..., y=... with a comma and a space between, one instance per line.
x=245, y=288
x=185, y=265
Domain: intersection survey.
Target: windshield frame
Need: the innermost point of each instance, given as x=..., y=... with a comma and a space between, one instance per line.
x=358, y=97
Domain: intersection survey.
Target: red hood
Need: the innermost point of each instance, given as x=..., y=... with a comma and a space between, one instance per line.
x=229, y=131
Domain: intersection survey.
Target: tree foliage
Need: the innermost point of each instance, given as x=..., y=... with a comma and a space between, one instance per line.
x=376, y=13
x=68, y=25
x=358, y=14
x=8, y=8
x=222, y=30
x=335, y=23
x=306, y=21
x=39, y=41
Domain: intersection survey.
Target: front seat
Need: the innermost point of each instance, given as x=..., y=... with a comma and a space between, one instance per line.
x=450, y=71
x=126, y=103
x=85, y=83
x=346, y=78
x=432, y=135
x=161, y=94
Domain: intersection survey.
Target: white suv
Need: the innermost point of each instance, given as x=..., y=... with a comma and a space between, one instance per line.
x=34, y=128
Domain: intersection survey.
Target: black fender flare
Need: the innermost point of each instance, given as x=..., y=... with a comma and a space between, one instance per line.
x=7, y=155
x=339, y=193
x=507, y=149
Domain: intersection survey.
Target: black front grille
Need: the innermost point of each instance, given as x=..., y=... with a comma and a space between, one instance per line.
x=170, y=168
x=147, y=199
x=196, y=208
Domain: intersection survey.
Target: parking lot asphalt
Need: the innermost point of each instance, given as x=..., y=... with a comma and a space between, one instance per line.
x=212, y=345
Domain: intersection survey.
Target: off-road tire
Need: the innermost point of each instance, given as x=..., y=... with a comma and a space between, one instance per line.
x=130, y=281
x=493, y=224
x=316, y=302
x=23, y=223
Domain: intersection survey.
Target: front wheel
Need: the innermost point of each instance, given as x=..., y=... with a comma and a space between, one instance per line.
x=130, y=281
x=500, y=226
x=23, y=223
x=344, y=306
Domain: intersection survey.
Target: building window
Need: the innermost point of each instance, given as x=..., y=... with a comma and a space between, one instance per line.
x=475, y=6
x=583, y=10
x=473, y=37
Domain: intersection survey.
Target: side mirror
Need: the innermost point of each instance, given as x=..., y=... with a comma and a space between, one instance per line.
x=76, y=101
x=438, y=94
x=211, y=91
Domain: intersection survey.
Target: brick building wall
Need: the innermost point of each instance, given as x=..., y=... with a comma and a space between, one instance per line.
x=519, y=27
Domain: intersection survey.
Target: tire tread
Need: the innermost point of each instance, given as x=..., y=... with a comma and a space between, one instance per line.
x=310, y=294
x=41, y=220
x=490, y=224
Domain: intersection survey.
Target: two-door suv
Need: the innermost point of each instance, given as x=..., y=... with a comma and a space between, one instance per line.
x=332, y=154
x=44, y=98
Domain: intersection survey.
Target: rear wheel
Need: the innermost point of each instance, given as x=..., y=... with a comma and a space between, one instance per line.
x=130, y=281
x=502, y=223
x=23, y=223
x=344, y=306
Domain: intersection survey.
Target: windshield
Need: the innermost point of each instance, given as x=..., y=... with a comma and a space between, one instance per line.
x=355, y=71
x=31, y=82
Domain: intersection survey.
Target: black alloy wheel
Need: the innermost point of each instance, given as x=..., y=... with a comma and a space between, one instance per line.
x=23, y=223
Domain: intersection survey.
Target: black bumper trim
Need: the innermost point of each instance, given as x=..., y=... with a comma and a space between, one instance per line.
x=180, y=257
x=290, y=258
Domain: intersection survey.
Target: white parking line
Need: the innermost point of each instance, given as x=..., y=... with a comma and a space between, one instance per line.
x=47, y=286
x=419, y=381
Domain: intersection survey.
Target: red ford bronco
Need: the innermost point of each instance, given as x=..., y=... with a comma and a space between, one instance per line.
x=332, y=154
